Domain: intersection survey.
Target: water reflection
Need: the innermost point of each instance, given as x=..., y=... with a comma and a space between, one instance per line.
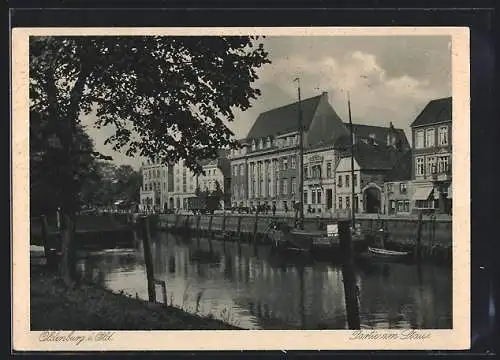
x=253, y=287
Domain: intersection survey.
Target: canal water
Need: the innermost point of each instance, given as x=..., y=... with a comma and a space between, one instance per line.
x=255, y=288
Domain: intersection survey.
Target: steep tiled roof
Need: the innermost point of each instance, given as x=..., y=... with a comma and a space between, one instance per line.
x=436, y=111
x=376, y=156
x=378, y=133
x=284, y=119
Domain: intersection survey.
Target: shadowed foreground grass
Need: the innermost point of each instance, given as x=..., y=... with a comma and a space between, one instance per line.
x=87, y=307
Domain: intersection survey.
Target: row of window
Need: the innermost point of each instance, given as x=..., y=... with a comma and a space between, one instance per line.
x=427, y=138
x=347, y=182
x=347, y=203
x=402, y=187
x=399, y=206
x=426, y=165
x=154, y=174
x=281, y=187
x=154, y=186
x=269, y=142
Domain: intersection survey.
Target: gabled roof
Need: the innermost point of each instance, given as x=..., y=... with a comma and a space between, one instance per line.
x=375, y=156
x=378, y=133
x=284, y=119
x=436, y=111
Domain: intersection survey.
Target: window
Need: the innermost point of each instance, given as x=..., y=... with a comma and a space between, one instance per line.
x=406, y=206
x=241, y=170
x=424, y=204
x=268, y=187
x=319, y=197
x=285, y=186
x=285, y=163
x=313, y=197
x=235, y=167
x=431, y=165
x=340, y=181
x=268, y=143
x=443, y=163
x=402, y=188
x=347, y=202
x=340, y=202
x=305, y=197
x=293, y=163
x=347, y=182
x=443, y=136
x=419, y=139
x=420, y=166
x=430, y=136
x=355, y=180
x=294, y=185
x=253, y=145
x=242, y=191
x=400, y=206
x=262, y=190
x=329, y=170
x=306, y=172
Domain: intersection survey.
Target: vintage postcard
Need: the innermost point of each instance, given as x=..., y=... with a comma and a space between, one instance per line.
x=240, y=188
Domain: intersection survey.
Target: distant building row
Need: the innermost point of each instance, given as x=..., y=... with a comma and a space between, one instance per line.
x=390, y=176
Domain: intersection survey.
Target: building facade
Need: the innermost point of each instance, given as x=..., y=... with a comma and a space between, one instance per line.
x=398, y=197
x=319, y=179
x=432, y=157
x=266, y=170
x=377, y=160
x=155, y=186
x=170, y=186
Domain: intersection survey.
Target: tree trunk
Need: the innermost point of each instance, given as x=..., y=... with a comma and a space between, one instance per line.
x=67, y=267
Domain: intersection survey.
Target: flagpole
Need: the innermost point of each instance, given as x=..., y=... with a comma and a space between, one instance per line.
x=353, y=192
x=301, y=160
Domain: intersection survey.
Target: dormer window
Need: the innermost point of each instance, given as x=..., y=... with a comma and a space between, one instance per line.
x=254, y=145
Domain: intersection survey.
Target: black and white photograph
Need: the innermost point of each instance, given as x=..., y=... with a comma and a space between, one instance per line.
x=223, y=181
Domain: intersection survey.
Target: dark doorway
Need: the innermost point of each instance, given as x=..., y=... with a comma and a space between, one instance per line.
x=372, y=200
x=329, y=198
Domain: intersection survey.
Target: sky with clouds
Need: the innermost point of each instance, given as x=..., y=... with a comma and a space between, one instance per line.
x=389, y=79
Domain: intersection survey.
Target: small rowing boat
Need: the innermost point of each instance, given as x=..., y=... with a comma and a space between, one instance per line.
x=387, y=254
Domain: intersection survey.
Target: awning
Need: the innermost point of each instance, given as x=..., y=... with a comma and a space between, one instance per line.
x=422, y=192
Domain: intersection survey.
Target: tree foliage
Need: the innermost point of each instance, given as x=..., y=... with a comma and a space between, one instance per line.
x=167, y=97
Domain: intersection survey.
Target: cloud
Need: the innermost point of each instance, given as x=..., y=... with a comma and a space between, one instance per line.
x=377, y=97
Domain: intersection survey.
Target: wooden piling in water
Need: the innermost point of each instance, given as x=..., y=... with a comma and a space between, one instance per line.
x=148, y=259
x=351, y=290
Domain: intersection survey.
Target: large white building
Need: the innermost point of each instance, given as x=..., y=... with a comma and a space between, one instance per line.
x=170, y=186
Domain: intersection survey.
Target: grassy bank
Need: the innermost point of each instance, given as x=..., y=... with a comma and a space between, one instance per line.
x=87, y=307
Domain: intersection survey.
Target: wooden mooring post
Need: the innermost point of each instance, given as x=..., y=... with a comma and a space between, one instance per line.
x=148, y=258
x=351, y=290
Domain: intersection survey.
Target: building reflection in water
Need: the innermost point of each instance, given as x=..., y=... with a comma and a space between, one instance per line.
x=261, y=289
